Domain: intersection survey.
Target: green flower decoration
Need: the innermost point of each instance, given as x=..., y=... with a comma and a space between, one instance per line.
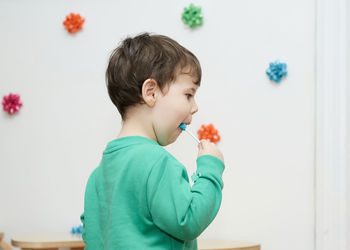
x=192, y=16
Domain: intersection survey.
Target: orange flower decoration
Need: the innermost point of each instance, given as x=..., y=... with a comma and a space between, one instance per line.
x=208, y=132
x=73, y=22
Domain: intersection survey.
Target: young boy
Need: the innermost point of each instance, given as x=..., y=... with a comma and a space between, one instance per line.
x=139, y=197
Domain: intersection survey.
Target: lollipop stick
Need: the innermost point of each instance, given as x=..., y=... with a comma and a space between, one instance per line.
x=192, y=135
x=183, y=127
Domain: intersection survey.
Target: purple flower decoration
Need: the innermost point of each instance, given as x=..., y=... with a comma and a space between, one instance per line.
x=276, y=71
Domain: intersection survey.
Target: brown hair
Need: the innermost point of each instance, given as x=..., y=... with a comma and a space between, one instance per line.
x=142, y=57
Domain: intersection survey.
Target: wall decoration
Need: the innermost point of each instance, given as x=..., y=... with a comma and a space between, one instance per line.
x=192, y=16
x=77, y=230
x=276, y=71
x=73, y=22
x=11, y=103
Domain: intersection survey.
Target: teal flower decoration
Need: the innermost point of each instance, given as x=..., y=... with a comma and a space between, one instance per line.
x=192, y=16
x=276, y=71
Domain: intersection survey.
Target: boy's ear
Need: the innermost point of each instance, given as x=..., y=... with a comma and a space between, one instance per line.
x=149, y=91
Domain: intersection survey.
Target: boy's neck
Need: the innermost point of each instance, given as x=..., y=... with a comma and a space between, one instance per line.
x=137, y=126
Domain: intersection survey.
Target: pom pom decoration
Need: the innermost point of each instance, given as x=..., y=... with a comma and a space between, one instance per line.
x=209, y=132
x=192, y=16
x=73, y=22
x=77, y=230
x=276, y=71
x=11, y=103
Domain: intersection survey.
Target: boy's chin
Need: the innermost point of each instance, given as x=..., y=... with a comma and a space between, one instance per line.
x=168, y=141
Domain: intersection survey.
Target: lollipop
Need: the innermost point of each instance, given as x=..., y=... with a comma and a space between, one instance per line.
x=183, y=127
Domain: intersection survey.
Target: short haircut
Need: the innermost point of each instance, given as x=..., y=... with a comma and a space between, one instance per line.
x=145, y=57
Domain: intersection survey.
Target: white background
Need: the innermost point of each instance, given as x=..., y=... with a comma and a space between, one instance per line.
x=48, y=149
x=348, y=123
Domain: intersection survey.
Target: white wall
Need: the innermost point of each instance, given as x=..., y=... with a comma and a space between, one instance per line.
x=48, y=150
x=348, y=121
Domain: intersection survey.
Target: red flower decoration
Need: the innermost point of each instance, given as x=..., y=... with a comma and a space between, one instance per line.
x=73, y=22
x=208, y=132
x=11, y=103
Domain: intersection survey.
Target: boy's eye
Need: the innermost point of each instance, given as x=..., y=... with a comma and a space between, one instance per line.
x=189, y=96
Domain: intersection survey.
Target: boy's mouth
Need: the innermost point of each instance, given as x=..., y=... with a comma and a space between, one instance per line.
x=181, y=127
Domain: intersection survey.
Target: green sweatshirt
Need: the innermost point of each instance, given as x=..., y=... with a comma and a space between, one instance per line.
x=139, y=197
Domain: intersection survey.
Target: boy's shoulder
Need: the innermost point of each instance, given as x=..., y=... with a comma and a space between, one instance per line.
x=140, y=147
x=153, y=155
x=154, y=151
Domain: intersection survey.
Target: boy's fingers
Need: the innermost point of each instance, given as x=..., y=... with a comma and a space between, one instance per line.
x=201, y=144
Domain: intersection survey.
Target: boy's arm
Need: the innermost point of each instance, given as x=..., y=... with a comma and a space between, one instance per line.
x=177, y=209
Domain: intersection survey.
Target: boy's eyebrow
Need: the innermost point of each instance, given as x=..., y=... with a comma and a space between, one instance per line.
x=193, y=89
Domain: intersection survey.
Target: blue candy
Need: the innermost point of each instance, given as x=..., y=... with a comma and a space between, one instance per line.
x=182, y=126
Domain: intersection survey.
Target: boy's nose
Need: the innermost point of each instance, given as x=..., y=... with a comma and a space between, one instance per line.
x=194, y=108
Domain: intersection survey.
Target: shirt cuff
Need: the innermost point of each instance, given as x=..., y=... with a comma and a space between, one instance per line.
x=209, y=166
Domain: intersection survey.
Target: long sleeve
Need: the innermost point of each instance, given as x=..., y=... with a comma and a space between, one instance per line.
x=175, y=207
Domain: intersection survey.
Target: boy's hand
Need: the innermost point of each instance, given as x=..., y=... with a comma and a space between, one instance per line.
x=206, y=147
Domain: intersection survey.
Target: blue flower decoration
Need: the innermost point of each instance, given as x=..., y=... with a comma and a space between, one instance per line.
x=276, y=71
x=77, y=230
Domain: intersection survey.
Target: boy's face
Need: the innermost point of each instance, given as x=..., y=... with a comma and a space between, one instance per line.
x=175, y=105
